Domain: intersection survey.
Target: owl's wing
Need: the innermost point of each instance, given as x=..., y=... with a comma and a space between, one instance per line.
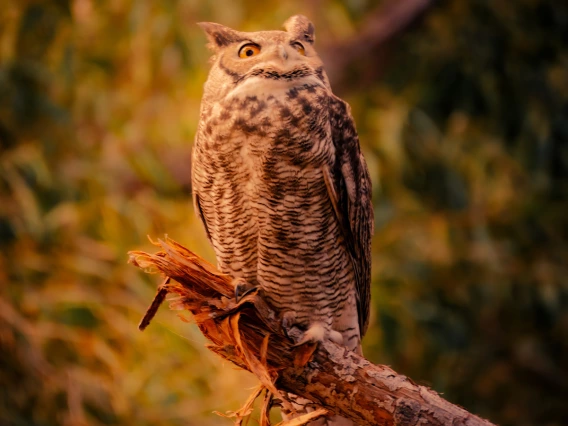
x=194, y=189
x=349, y=188
x=199, y=212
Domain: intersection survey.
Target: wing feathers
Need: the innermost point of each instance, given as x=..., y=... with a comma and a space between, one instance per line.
x=349, y=188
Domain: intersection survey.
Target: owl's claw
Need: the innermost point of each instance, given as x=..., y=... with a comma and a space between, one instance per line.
x=308, y=344
x=289, y=326
x=314, y=335
x=242, y=288
x=307, y=341
x=288, y=320
x=317, y=333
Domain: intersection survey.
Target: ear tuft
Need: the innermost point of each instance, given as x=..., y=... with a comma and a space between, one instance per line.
x=219, y=35
x=301, y=28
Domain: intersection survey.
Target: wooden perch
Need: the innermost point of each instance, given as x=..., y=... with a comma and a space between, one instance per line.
x=249, y=335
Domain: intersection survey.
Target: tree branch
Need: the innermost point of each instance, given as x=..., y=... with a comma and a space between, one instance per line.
x=249, y=335
x=385, y=23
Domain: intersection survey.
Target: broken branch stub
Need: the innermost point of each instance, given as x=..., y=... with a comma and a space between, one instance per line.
x=249, y=334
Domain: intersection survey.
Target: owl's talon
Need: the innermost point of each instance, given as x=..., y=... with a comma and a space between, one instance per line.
x=288, y=321
x=313, y=335
x=308, y=344
x=242, y=288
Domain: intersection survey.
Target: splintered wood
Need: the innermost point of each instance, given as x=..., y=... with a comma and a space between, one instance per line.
x=249, y=334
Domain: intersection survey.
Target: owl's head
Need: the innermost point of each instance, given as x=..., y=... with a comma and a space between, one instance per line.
x=260, y=62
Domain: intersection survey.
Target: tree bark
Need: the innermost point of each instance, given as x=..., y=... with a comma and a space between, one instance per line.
x=249, y=334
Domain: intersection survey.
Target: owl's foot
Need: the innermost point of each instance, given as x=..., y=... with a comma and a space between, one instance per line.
x=317, y=332
x=242, y=288
x=314, y=334
x=309, y=340
x=289, y=325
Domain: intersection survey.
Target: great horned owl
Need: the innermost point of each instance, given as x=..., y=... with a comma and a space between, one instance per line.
x=280, y=183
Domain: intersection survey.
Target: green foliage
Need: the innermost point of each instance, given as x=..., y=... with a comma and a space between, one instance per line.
x=471, y=243
x=464, y=121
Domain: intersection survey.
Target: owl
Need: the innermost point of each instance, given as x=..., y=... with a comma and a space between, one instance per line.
x=280, y=183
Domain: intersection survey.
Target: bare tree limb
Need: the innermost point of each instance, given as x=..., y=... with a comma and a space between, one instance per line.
x=389, y=20
x=249, y=335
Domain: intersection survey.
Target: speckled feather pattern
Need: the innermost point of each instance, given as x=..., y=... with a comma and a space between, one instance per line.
x=280, y=183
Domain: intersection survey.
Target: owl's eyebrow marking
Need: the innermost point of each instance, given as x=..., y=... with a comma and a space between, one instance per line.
x=224, y=38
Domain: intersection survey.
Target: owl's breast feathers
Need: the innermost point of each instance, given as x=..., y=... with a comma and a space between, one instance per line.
x=284, y=193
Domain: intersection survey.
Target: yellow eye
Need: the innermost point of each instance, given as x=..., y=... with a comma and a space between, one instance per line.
x=249, y=50
x=300, y=48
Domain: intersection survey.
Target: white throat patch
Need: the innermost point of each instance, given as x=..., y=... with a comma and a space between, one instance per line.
x=263, y=87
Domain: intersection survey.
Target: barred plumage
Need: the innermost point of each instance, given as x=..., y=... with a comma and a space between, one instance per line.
x=280, y=183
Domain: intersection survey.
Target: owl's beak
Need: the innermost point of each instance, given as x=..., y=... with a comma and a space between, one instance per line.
x=282, y=52
x=279, y=55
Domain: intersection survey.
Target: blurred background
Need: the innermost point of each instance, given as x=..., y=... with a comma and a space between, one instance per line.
x=462, y=110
